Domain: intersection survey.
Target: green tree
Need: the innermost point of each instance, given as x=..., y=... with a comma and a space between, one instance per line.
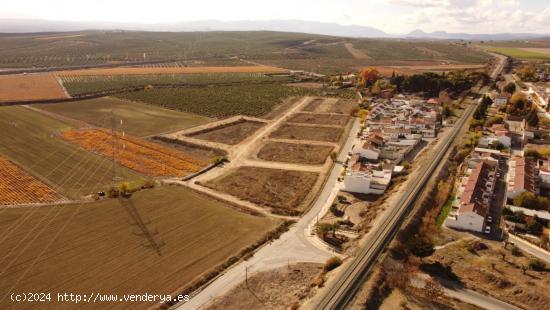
x=510, y=88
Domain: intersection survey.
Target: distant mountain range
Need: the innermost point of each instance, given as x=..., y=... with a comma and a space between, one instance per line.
x=331, y=29
x=419, y=34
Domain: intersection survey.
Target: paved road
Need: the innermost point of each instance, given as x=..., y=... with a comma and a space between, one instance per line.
x=465, y=295
x=477, y=299
x=293, y=246
x=529, y=248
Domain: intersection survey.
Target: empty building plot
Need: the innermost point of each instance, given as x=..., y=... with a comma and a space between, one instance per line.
x=320, y=105
x=232, y=133
x=283, y=190
x=295, y=132
x=295, y=153
x=321, y=119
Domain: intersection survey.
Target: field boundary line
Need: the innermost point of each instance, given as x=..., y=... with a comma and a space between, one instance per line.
x=59, y=231
x=47, y=214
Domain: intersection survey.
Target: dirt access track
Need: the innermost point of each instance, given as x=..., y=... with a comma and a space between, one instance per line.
x=228, y=182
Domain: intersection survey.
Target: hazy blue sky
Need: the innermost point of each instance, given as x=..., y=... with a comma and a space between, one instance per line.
x=395, y=16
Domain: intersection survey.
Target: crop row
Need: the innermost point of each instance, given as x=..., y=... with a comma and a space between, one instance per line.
x=136, y=154
x=18, y=187
x=221, y=100
x=89, y=84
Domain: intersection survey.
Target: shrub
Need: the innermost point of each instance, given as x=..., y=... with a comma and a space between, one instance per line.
x=334, y=209
x=332, y=263
x=537, y=265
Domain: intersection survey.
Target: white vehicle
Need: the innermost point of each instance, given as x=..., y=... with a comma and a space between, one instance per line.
x=488, y=229
x=489, y=219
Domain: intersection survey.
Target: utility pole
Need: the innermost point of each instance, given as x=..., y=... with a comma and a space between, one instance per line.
x=115, y=145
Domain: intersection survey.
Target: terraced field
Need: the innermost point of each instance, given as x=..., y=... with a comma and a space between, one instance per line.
x=137, y=119
x=30, y=140
x=189, y=233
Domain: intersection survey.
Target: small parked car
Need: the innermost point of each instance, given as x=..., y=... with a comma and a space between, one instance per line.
x=489, y=219
x=488, y=229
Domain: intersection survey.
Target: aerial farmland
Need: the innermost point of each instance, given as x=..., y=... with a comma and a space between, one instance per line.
x=169, y=163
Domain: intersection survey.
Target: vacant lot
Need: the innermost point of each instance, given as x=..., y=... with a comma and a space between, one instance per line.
x=308, y=133
x=134, y=153
x=138, y=119
x=279, y=189
x=18, y=187
x=102, y=250
x=496, y=272
x=231, y=134
x=295, y=153
x=197, y=151
x=322, y=119
x=29, y=87
x=220, y=101
x=280, y=288
x=30, y=140
x=330, y=106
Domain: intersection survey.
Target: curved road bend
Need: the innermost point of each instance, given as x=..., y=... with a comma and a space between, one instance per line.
x=292, y=247
x=349, y=281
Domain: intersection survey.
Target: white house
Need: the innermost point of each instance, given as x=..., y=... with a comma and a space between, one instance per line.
x=367, y=150
x=362, y=179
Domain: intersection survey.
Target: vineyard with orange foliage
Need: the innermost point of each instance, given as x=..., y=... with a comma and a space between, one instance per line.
x=136, y=154
x=18, y=187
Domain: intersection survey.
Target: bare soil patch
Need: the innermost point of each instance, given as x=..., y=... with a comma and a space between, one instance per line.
x=295, y=153
x=279, y=189
x=357, y=54
x=325, y=134
x=330, y=106
x=281, y=288
x=30, y=87
x=323, y=119
x=230, y=134
x=98, y=247
x=497, y=272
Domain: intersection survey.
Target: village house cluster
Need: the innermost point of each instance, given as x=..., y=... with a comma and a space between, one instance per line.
x=393, y=130
x=499, y=170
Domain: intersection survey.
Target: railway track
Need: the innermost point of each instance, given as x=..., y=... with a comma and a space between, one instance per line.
x=349, y=282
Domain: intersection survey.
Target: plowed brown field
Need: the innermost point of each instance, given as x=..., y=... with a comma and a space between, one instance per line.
x=139, y=155
x=30, y=87
x=172, y=70
x=18, y=187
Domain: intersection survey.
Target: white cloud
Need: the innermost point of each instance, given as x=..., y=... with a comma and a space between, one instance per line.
x=475, y=16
